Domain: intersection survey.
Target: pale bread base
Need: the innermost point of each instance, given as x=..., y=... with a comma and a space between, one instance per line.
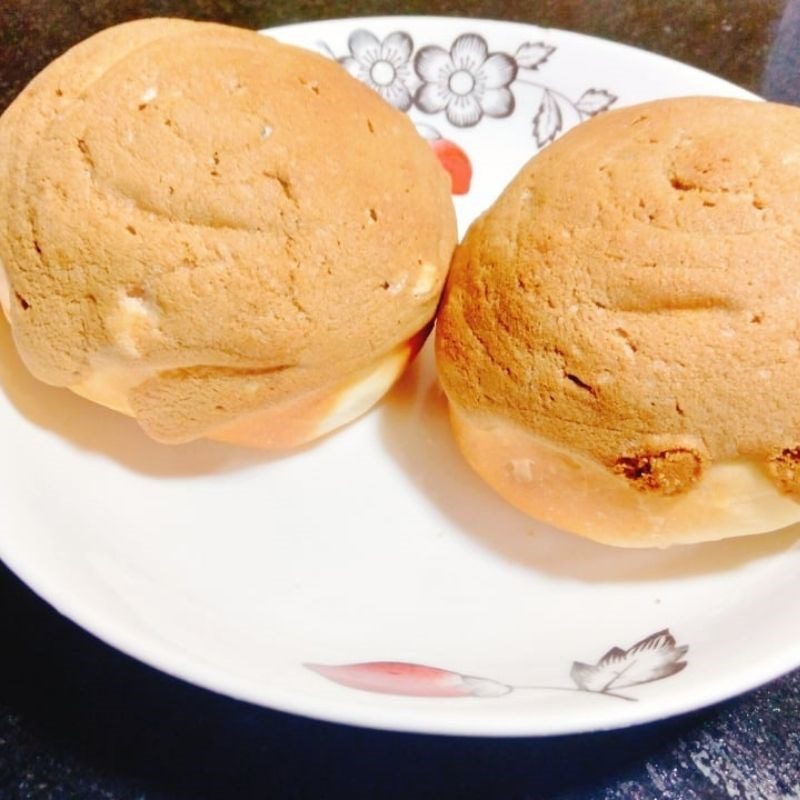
x=579, y=495
x=5, y=292
x=320, y=412
x=289, y=424
x=109, y=386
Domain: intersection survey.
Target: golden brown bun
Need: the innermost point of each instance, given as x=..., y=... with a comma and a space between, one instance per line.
x=631, y=300
x=200, y=226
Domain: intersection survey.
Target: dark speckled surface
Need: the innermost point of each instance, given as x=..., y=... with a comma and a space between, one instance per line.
x=79, y=720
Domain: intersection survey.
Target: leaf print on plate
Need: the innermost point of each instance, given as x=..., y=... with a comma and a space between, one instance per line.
x=399, y=677
x=532, y=55
x=593, y=101
x=651, y=659
x=655, y=657
x=548, y=120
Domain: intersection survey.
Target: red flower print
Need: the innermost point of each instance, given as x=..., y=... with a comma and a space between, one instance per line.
x=456, y=162
x=398, y=677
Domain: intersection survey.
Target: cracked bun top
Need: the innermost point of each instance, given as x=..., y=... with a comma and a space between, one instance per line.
x=634, y=294
x=215, y=220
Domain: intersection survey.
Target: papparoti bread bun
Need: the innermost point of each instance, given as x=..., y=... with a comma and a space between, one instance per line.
x=619, y=339
x=218, y=234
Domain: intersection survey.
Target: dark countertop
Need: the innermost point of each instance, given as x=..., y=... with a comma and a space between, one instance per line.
x=730, y=38
x=80, y=720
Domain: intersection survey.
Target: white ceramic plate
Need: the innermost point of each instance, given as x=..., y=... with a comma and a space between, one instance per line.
x=265, y=577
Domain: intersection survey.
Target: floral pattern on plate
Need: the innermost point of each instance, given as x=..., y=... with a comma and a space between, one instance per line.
x=466, y=81
x=651, y=659
x=384, y=66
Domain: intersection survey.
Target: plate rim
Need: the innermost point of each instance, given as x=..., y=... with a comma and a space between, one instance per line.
x=151, y=653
